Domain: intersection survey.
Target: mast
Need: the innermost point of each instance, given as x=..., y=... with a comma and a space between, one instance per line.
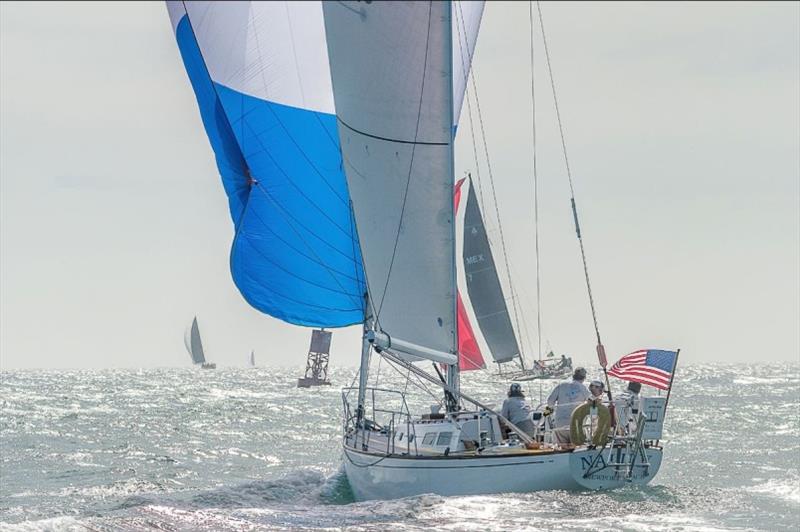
x=452, y=369
x=363, y=373
x=395, y=124
x=363, y=369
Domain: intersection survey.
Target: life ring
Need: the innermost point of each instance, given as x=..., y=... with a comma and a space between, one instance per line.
x=576, y=435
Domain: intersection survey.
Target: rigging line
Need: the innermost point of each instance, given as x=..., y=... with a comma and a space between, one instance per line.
x=525, y=329
x=466, y=68
x=408, y=378
x=535, y=192
x=555, y=98
x=410, y=166
x=569, y=175
x=419, y=383
x=352, y=383
x=378, y=372
x=494, y=193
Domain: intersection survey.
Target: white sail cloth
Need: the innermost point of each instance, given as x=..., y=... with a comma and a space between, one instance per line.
x=392, y=71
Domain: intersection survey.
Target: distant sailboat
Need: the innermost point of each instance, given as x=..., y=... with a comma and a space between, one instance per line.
x=252, y=359
x=195, y=346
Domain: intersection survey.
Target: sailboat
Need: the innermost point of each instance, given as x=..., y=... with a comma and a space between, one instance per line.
x=333, y=125
x=194, y=346
x=549, y=367
x=484, y=291
x=488, y=303
x=252, y=360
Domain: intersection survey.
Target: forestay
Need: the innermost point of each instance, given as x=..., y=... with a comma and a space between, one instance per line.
x=261, y=75
x=483, y=285
x=391, y=65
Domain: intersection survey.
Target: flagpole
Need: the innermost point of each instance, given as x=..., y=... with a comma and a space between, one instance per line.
x=669, y=390
x=671, y=378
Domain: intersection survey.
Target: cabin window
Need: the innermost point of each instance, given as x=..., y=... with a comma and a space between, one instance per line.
x=444, y=438
x=428, y=439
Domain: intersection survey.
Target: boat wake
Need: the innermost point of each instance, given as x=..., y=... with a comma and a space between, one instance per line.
x=308, y=499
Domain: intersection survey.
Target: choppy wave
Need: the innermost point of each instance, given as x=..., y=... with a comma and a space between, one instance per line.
x=246, y=450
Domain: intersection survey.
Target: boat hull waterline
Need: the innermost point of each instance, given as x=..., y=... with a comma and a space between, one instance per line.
x=374, y=476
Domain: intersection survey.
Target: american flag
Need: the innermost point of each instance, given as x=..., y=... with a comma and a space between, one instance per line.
x=648, y=366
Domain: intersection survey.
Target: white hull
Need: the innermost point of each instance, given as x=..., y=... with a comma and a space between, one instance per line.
x=373, y=476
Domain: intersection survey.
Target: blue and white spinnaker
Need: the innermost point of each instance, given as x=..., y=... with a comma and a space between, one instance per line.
x=261, y=75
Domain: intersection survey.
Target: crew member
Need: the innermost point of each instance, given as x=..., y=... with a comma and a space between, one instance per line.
x=516, y=409
x=566, y=396
x=628, y=407
x=596, y=388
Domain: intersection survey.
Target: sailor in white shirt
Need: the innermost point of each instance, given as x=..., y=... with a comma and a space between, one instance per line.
x=566, y=397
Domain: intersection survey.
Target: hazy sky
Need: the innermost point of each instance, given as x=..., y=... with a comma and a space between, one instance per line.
x=683, y=128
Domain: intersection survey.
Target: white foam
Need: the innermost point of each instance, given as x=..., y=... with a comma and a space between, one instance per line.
x=786, y=490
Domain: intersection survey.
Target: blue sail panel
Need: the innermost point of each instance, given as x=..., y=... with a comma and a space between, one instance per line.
x=295, y=254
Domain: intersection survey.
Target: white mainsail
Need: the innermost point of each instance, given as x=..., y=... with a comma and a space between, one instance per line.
x=391, y=67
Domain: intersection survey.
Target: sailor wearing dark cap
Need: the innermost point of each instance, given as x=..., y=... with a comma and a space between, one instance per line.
x=516, y=409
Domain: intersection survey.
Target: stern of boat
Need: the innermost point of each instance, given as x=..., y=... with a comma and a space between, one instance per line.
x=598, y=469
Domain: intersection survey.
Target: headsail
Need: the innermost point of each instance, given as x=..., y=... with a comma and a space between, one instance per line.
x=391, y=68
x=469, y=352
x=193, y=344
x=261, y=76
x=483, y=285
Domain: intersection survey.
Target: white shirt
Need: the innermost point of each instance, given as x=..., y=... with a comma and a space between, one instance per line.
x=567, y=396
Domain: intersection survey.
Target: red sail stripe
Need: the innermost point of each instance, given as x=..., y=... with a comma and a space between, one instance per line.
x=469, y=353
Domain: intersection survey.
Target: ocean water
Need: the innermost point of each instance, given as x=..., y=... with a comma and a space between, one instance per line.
x=244, y=449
